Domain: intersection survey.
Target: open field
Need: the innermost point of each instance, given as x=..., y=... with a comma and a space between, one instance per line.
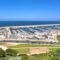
x=24, y=49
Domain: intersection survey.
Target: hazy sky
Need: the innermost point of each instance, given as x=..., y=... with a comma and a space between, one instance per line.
x=30, y=9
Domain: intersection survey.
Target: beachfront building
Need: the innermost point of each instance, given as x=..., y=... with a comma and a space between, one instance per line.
x=33, y=33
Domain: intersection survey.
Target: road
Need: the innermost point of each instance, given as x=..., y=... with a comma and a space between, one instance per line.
x=30, y=42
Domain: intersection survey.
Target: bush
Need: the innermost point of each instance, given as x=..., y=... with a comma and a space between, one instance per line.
x=56, y=55
x=11, y=52
x=2, y=53
x=24, y=56
x=58, y=37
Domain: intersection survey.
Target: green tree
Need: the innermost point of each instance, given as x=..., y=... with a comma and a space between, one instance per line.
x=11, y=52
x=2, y=53
x=56, y=55
x=24, y=56
x=57, y=52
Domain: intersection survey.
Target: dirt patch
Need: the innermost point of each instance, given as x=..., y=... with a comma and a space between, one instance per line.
x=10, y=44
x=39, y=50
x=3, y=47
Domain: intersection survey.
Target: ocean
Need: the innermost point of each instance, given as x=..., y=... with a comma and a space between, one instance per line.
x=22, y=23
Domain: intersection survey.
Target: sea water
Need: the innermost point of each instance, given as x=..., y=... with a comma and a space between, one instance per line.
x=19, y=23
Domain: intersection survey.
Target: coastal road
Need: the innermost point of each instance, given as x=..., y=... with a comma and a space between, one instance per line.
x=30, y=42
